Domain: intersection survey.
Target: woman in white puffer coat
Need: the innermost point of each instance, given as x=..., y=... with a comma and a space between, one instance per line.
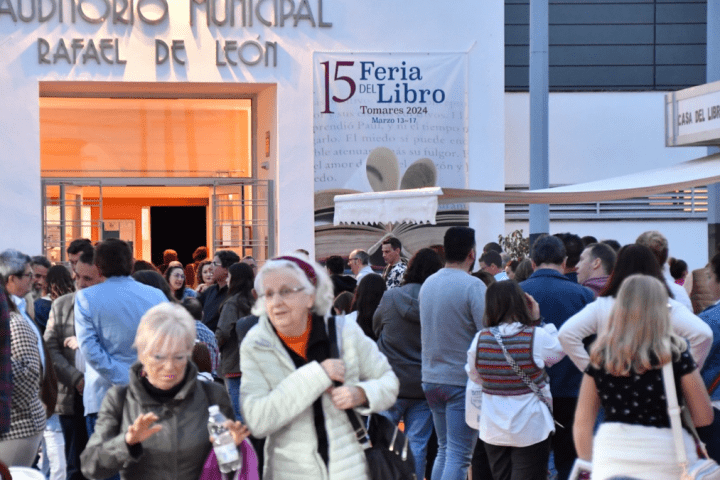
x=287, y=391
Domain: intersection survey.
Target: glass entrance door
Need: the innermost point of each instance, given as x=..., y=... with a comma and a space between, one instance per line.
x=240, y=212
x=67, y=212
x=242, y=216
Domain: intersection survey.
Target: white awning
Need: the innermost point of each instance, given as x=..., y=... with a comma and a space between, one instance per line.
x=420, y=205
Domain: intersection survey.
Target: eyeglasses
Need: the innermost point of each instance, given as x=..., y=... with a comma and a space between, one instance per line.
x=283, y=293
x=161, y=359
x=181, y=276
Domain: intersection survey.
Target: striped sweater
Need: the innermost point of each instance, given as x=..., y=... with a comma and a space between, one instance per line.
x=497, y=375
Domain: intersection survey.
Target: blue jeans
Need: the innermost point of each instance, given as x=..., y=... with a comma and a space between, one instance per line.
x=53, y=449
x=233, y=388
x=456, y=440
x=418, y=427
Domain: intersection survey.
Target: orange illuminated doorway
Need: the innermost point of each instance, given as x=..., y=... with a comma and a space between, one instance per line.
x=107, y=160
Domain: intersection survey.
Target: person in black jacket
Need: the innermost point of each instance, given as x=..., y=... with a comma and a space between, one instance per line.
x=396, y=322
x=237, y=305
x=335, y=266
x=214, y=296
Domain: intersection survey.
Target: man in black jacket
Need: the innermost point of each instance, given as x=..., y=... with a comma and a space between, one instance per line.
x=335, y=266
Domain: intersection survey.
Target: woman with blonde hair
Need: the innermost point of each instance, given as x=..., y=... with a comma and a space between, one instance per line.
x=631, y=259
x=625, y=377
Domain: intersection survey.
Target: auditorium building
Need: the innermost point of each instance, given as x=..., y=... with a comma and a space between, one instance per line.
x=233, y=123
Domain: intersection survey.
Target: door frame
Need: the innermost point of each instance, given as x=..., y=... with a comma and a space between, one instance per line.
x=268, y=200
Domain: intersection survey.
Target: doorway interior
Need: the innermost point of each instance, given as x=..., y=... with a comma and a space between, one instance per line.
x=117, y=158
x=178, y=228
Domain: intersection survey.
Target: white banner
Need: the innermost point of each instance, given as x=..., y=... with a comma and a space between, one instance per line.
x=388, y=121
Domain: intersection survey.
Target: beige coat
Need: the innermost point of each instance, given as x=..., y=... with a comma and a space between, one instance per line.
x=277, y=403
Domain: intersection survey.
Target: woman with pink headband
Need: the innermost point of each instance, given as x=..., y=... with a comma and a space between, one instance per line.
x=287, y=390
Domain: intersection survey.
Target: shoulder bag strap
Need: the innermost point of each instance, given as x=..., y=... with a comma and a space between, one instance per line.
x=674, y=414
x=516, y=368
x=332, y=337
x=208, y=392
x=122, y=397
x=679, y=415
x=361, y=432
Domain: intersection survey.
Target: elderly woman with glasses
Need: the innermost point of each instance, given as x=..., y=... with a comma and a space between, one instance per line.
x=287, y=388
x=156, y=427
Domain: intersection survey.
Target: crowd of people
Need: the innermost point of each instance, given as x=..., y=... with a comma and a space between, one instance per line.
x=108, y=364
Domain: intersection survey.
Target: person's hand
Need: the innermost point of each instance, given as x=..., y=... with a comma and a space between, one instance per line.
x=142, y=429
x=348, y=397
x=335, y=369
x=238, y=431
x=71, y=342
x=80, y=387
x=201, y=287
x=533, y=307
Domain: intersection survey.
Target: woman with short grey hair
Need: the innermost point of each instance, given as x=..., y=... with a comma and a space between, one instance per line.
x=155, y=427
x=322, y=292
x=287, y=390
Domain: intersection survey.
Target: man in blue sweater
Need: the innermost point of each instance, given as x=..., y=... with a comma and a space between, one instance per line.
x=107, y=316
x=559, y=299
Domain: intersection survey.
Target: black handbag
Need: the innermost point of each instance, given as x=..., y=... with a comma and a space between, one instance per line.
x=386, y=446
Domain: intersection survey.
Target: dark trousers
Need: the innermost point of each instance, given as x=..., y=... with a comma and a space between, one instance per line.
x=480, y=463
x=259, y=446
x=710, y=436
x=519, y=463
x=432, y=449
x=76, y=437
x=562, y=441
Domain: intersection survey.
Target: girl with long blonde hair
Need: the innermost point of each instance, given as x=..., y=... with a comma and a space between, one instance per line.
x=625, y=377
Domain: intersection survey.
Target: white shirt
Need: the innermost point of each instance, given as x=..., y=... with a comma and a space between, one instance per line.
x=499, y=277
x=678, y=291
x=365, y=270
x=21, y=304
x=518, y=420
x=595, y=315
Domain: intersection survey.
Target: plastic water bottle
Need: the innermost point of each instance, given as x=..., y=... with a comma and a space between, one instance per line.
x=228, y=456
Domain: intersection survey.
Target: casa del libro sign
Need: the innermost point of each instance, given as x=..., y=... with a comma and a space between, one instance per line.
x=125, y=15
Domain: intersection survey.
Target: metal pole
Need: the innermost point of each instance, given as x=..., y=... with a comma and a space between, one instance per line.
x=539, y=97
x=713, y=75
x=63, y=220
x=214, y=239
x=270, y=247
x=43, y=218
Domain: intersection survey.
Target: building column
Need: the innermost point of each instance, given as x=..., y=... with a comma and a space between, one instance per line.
x=713, y=75
x=539, y=131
